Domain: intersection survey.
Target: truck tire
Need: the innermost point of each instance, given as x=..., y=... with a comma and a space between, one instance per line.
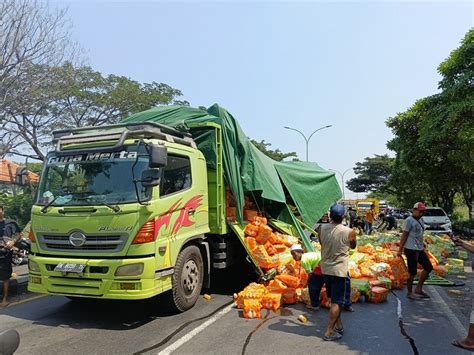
x=188, y=278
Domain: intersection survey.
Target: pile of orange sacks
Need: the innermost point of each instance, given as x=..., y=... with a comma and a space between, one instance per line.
x=271, y=251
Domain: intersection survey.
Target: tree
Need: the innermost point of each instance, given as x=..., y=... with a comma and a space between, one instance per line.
x=276, y=154
x=30, y=34
x=373, y=175
x=75, y=97
x=434, y=139
x=42, y=89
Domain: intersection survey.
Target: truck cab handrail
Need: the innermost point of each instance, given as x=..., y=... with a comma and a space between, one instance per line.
x=119, y=133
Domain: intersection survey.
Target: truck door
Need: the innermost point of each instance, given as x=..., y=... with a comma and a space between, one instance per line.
x=184, y=201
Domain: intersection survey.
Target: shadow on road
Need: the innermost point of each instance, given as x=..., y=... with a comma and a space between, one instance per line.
x=123, y=315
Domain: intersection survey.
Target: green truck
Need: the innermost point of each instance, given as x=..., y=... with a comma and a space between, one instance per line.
x=136, y=209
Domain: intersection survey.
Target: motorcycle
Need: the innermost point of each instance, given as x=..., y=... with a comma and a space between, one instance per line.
x=20, y=250
x=19, y=257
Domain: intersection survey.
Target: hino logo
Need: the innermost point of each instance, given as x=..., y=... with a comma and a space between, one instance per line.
x=77, y=239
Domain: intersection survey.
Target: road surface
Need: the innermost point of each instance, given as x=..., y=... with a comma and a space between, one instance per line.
x=56, y=325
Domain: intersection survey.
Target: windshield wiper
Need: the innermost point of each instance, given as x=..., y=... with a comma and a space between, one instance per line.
x=45, y=208
x=115, y=208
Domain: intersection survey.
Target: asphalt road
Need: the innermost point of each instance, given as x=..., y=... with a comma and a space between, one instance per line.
x=55, y=325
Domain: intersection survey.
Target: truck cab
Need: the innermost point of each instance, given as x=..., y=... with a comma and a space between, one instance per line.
x=118, y=213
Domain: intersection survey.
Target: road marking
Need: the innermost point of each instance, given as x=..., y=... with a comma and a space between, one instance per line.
x=25, y=300
x=449, y=313
x=168, y=350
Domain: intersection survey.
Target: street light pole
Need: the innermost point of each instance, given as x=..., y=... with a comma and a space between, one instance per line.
x=342, y=180
x=307, y=139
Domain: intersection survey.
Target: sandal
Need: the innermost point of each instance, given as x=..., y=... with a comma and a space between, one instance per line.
x=334, y=337
x=349, y=309
x=339, y=330
x=422, y=294
x=311, y=308
x=459, y=345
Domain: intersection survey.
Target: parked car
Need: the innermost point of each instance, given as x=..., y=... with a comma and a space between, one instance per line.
x=436, y=220
x=400, y=213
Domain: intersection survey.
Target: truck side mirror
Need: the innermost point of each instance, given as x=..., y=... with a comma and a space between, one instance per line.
x=21, y=176
x=150, y=177
x=158, y=156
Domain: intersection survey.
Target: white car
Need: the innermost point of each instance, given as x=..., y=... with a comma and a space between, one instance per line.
x=436, y=220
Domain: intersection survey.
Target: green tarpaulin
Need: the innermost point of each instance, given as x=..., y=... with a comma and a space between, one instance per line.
x=312, y=188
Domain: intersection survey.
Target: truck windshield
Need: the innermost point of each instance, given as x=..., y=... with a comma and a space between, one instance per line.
x=92, y=178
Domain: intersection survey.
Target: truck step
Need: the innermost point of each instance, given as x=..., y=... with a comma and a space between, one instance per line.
x=220, y=265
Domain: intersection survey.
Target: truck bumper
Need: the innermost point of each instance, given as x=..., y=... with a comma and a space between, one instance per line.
x=98, y=279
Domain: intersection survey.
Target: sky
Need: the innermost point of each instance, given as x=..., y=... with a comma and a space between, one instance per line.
x=307, y=64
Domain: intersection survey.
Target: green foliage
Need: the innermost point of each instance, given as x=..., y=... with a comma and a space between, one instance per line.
x=276, y=154
x=55, y=97
x=18, y=208
x=434, y=139
x=36, y=168
x=373, y=175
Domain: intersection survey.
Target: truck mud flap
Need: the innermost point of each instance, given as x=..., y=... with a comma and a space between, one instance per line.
x=239, y=232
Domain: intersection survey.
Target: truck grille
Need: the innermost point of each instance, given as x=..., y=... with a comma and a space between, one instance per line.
x=94, y=243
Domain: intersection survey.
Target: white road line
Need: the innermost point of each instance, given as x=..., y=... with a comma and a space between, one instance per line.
x=195, y=331
x=447, y=311
x=399, y=309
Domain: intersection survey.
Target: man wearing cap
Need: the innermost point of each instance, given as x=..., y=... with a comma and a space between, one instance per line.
x=336, y=239
x=412, y=244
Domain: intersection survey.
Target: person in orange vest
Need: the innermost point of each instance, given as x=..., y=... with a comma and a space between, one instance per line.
x=369, y=219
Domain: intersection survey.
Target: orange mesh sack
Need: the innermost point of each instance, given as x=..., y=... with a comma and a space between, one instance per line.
x=366, y=249
x=439, y=270
x=399, y=269
x=303, y=278
x=377, y=295
x=270, y=249
x=289, y=296
x=259, y=221
x=280, y=248
x=261, y=256
x=272, y=301
x=276, y=286
x=302, y=295
x=249, y=215
x=355, y=295
x=251, y=230
x=252, y=308
x=272, y=238
x=263, y=234
x=289, y=240
x=252, y=291
x=397, y=284
x=323, y=299
x=251, y=243
x=288, y=280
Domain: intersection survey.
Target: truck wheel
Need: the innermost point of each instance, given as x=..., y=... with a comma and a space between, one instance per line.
x=187, y=279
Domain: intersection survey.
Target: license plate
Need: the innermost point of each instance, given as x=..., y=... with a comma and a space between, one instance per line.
x=65, y=267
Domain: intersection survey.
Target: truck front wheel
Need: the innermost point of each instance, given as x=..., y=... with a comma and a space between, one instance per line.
x=187, y=278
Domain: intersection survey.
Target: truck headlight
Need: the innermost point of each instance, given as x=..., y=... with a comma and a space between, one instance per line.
x=33, y=266
x=130, y=270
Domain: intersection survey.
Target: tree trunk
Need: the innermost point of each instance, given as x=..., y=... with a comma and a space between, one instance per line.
x=467, y=195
